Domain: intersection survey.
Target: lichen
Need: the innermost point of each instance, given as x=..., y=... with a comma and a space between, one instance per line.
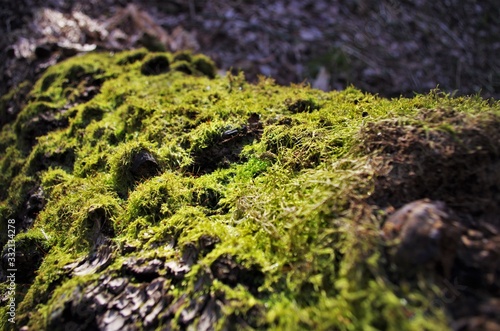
x=262, y=194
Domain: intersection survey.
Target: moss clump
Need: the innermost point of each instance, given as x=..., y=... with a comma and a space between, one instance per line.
x=183, y=56
x=131, y=57
x=183, y=66
x=190, y=64
x=243, y=205
x=31, y=247
x=205, y=65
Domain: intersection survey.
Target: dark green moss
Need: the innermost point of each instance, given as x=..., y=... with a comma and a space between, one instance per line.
x=48, y=81
x=13, y=102
x=30, y=247
x=155, y=65
x=131, y=57
x=87, y=114
x=183, y=66
x=183, y=56
x=204, y=65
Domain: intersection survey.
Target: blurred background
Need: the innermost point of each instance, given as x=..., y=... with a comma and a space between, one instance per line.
x=387, y=47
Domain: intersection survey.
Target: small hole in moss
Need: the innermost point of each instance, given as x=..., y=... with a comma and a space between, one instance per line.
x=155, y=65
x=144, y=165
x=301, y=106
x=183, y=66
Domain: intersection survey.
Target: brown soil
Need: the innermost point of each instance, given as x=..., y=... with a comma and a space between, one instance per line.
x=456, y=236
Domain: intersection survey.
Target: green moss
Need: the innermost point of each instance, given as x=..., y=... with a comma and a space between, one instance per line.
x=86, y=205
x=121, y=164
x=190, y=64
x=278, y=178
x=156, y=199
x=11, y=166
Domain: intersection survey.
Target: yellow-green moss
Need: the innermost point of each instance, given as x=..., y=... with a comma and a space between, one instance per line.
x=285, y=201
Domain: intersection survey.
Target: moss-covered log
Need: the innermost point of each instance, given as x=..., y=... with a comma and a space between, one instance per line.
x=148, y=193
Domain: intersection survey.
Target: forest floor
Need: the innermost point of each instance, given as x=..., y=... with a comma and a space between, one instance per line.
x=387, y=47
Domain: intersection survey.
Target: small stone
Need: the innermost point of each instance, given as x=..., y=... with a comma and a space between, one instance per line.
x=127, y=310
x=145, y=272
x=424, y=234
x=131, y=291
x=147, y=307
x=138, y=299
x=474, y=234
x=155, y=265
x=195, y=307
x=96, y=261
x=110, y=316
x=93, y=289
x=128, y=248
x=104, y=279
x=471, y=243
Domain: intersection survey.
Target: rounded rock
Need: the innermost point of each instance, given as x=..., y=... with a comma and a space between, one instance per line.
x=423, y=234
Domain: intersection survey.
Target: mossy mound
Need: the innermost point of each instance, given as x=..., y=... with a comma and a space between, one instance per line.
x=152, y=194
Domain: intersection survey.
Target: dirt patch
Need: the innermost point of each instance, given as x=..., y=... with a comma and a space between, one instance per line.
x=458, y=164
